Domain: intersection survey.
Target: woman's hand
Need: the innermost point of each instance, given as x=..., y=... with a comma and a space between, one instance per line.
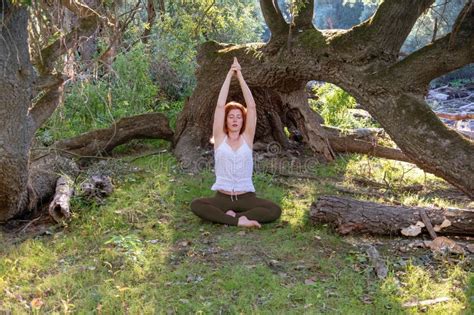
x=235, y=67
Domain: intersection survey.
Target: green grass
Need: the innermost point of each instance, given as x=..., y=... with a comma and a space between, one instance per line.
x=144, y=252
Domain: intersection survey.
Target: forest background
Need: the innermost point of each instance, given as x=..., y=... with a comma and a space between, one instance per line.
x=141, y=250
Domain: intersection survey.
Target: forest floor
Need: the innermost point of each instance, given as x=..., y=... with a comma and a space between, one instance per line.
x=142, y=251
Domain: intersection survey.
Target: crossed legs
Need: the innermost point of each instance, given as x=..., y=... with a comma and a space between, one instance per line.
x=234, y=211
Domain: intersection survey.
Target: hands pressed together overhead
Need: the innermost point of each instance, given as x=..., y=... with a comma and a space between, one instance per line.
x=235, y=68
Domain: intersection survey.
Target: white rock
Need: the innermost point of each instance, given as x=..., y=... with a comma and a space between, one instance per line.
x=412, y=230
x=444, y=224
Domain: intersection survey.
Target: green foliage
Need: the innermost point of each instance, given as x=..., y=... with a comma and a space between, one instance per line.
x=97, y=102
x=152, y=77
x=186, y=25
x=21, y=2
x=333, y=104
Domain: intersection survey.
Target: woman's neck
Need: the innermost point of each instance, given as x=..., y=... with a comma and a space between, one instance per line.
x=233, y=135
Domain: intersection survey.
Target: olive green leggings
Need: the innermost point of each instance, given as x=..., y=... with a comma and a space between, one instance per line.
x=213, y=209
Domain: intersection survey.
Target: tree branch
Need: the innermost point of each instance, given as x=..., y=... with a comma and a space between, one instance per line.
x=161, y=5
x=80, y=9
x=44, y=107
x=273, y=17
x=463, y=28
x=49, y=54
x=394, y=20
x=201, y=19
x=304, y=18
x=97, y=142
x=387, y=30
x=48, y=81
x=446, y=54
x=151, y=15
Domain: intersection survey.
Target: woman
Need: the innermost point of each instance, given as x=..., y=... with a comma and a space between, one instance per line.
x=235, y=201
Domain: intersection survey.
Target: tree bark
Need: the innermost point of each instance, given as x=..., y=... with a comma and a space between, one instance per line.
x=350, y=145
x=150, y=20
x=364, y=62
x=59, y=207
x=18, y=86
x=98, y=142
x=350, y=216
x=16, y=78
x=308, y=122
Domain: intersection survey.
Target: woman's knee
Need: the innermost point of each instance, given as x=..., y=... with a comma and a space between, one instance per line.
x=196, y=205
x=275, y=211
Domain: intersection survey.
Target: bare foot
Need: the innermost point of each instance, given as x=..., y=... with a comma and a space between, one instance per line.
x=243, y=221
x=231, y=213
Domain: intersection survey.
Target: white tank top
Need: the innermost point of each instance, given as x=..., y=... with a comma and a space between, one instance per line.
x=233, y=168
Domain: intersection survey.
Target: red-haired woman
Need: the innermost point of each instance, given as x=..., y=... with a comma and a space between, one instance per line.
x=235, y=201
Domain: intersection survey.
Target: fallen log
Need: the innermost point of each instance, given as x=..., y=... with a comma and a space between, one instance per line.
x=59, y=207
x=364, y=141
x=348, y=145
x=97, y=142
x=366, y=134
x=44, y=174
x=348, y=215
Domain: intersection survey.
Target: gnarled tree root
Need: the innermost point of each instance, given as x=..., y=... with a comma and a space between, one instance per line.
x=45, y=180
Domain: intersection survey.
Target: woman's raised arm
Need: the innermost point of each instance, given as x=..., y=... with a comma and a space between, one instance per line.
x=251, y=108
x=219, y=114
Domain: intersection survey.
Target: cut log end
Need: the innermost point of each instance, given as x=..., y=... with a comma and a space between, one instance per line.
x=59, y=208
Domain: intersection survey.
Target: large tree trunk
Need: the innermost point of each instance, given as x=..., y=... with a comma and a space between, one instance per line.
x=15, y=85
x=348, y=215
x=277, y=105
x=18, y=86
x=364, y=62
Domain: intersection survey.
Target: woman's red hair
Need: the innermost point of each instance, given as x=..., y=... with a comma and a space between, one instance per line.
x=234, y=105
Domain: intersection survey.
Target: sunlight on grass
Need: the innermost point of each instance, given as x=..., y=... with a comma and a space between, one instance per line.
x=418, y=284
x=143, y=251
x=402, y=181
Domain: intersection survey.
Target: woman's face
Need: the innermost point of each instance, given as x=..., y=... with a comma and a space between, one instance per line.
x=234, y=120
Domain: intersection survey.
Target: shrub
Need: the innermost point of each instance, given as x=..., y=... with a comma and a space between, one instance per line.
x=93, y=103
x=333, y=105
